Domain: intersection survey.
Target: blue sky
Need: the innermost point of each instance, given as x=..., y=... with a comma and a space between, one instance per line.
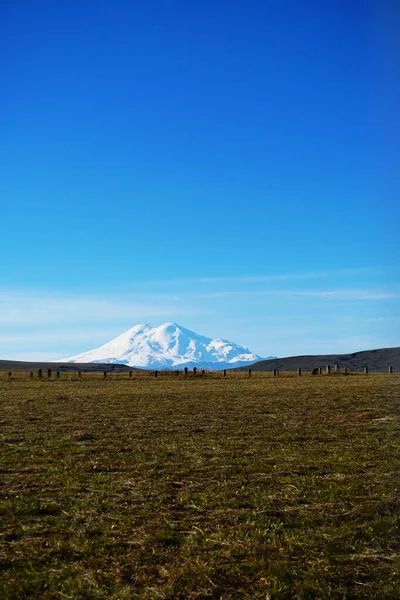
x=228, y=165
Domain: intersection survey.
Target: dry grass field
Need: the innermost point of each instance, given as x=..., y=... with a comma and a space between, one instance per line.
x=213, y=487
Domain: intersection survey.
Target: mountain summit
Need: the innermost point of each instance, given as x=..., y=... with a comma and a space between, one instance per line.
x=169, y=346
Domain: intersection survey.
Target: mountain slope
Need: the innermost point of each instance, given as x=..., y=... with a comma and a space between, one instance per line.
x=169, y=346
x=378, y=360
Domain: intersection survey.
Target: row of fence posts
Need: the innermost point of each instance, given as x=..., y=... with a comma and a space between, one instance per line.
x=336, y=369
x=275, y=372
x=328, y=370
x=186, y=372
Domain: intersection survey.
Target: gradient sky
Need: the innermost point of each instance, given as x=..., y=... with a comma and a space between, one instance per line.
x=232, y=166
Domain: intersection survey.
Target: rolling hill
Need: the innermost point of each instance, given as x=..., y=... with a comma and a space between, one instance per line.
x=377, y=360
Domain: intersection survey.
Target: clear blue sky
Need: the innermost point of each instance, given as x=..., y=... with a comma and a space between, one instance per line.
x=230, y=165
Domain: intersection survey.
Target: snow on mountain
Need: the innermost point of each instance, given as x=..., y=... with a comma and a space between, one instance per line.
x=169, y=346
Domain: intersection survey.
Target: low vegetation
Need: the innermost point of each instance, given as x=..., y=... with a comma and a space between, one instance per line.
x=174, y=488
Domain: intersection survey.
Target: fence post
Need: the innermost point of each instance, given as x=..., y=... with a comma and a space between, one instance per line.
x=58, y=374
x=79, y=374
x=105, y=374
x=274, y=372
x=177, y=373
x=346, y=371
x=224, y=372
x=328, y=369
x=49, y=373
x=31, y=374
x=194, y=371
x=9, y=374
x=186, y=371
x=366, y=370
x=130, y=373
x=390, y=370
x=156, y=374
x=40, y=373
x=203, y=372
x=299, y=372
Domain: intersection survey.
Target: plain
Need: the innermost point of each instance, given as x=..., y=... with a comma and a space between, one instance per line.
x=207, y=487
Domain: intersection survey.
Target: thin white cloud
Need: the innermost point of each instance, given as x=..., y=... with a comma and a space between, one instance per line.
x=34, y=308
x=252, y=278
x=351, y=294
x=383, y=319
x=339, y=294
x=264, y=278
x=25, y=308
x=67, y=323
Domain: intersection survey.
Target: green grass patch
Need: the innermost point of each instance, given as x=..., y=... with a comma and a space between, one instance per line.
x=200, y=488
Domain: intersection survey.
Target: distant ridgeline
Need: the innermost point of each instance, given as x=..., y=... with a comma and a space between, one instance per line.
x=376, y=360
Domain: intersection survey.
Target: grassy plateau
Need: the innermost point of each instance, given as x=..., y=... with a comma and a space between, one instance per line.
x=200, y=487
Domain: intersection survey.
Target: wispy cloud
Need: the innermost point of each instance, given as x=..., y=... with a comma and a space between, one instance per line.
x=350, y=294
x=34, y=308
x=247, y=278
x=264, y=278
x=384, y=319
x=338, y=294
x=17, y=308
x=271, y=314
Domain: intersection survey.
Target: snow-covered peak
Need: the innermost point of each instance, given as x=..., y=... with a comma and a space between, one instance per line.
x=168, y=346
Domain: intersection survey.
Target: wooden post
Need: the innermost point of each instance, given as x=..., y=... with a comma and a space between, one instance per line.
x=224, y=372
x=390, y=370
x=203, y=372
x=274, y=372
x=249, y=372
x=31, y=374
x=49, y=373
x=328, y=369
x=177, y=373
x=58, y=374
x=346, y=371
x=40, y=373
x=156, y=374
x=130, y=373
x=299, y=372
x=366, y=370
x=186, y=371
x=105, y=374
x=194, y=371
x=79, y=374
x=9, y=374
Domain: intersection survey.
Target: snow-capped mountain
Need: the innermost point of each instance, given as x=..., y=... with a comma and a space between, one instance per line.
x=169, y=346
